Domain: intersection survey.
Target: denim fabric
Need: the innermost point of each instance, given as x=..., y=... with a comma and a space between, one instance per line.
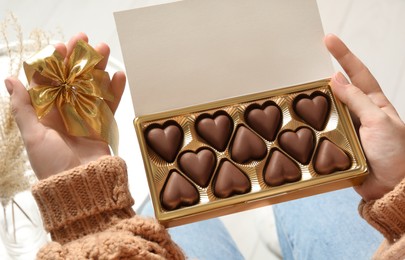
x=326, y=226
x=203, y=240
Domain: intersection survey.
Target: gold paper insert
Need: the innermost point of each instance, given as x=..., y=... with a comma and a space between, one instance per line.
x=338, y=129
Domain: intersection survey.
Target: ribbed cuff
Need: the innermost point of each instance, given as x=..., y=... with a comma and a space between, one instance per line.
x=84, y=200
x=387, y=214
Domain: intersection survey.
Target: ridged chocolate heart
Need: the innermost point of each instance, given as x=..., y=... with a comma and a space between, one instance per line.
x=313, y=109
x=265, y=120
x=299, y=144
x=247, y=146
x=330, y=158
x=216, y=130
x=230, y=180
x=178, y=192
x=280, y=169
x=199, y=165
x=165, y=140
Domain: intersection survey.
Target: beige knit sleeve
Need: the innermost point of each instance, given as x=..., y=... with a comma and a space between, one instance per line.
x=88, y=211
x=387, y=215
x=84, y=200
x=133, y=238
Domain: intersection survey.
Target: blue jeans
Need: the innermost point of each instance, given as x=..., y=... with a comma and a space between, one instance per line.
x=201, y=240
x=326, y=226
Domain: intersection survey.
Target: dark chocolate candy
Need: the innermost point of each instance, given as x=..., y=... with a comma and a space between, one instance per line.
x=216, y=130
x=230, y=180
x=299, y=144
x=330, y=158
x=178, y=192
x=280, y=169
x=165, y=140
x=247, y=146
x=199, y=165
x=265, y=119
x=313, y=109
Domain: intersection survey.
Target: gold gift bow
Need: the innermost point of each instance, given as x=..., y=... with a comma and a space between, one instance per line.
x=77, y=89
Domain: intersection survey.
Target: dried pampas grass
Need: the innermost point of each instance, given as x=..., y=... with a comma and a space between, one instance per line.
x=14, y=168
x=15, y=172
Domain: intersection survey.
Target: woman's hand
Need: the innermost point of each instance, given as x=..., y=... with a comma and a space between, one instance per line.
x=381, y=130
x=50, y=148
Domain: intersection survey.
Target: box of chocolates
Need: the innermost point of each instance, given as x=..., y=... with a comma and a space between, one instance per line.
x=247, y=152
x=233, y=106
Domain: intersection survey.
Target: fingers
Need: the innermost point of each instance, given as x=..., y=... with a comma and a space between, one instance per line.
x=23, y=111
x=355, y=69
x=72, y=42
x=61, y=49
x=104, y=50
x=356, y=100
x=117, y=87
x=359, y=74
x=101, y=48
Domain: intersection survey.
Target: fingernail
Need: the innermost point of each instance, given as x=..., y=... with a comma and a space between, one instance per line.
x=340, y=78
x=9, y=86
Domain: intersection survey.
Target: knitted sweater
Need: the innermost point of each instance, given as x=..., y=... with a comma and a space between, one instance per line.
x=87, y=211
x=387, y=215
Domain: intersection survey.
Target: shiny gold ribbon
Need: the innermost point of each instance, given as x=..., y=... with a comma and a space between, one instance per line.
x=77, y=89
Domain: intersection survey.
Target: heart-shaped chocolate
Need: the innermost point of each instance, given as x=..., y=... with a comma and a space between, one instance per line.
x=178, y=192
x=330, y=158
x=199, y=165
x=230, y=180
x=299, y=144
x=280, y=169
x=313, y=109
x=247, y=146
x=216, y=130
x=165, y=140
x=265, y=119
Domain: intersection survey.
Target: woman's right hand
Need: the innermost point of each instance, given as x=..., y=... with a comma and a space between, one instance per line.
x=381, y=130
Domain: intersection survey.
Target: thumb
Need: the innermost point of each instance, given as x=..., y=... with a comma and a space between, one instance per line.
x=23, y=111
x=356, y=100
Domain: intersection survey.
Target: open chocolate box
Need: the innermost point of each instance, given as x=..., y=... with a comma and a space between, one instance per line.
x=246, y=152
x=217, y=136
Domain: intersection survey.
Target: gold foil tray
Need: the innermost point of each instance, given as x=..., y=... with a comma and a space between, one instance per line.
x=338, y=129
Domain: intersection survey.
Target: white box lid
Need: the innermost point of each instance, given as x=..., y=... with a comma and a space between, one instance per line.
x=198, y=51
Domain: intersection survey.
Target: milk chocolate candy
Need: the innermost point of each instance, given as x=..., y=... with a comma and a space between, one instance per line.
x=165, y=140
x=216, y=130
x=299, y=144
x=178, y=192
x=330, y=158
x=313, y=109
x=199, y=165
x=230, y=180
x=247, y=146
x=280, y=169
x=265, y=119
